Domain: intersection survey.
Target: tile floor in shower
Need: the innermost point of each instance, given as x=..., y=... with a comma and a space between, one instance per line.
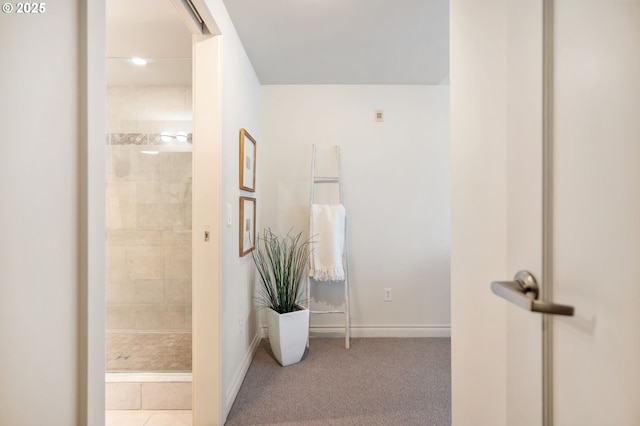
x=143, y=351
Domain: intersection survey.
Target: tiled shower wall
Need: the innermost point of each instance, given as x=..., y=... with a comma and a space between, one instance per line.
x=148, y=210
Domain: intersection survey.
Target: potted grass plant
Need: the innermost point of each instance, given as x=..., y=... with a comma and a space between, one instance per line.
x=281, y=263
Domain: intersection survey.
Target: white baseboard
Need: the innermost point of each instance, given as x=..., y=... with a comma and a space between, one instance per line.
x=370, y=331
x=242, y=371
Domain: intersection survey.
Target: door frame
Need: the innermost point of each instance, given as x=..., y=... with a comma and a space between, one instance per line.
x=546, y=288
x=92, y=205
x=206, y=235
x=207, y=395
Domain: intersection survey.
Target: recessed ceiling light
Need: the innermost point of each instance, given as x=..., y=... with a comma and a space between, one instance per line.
x=139, y=61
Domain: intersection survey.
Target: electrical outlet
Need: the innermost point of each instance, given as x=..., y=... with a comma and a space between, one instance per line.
x=387, y=295
x=379, y=116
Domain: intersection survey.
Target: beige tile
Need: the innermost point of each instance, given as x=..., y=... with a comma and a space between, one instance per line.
x=188, y=98
x=160, y=317
x=171, y=126
x=149, y=317
x=121, y=167
x=144, y=167
x=123, y=191
x=178, y=238
x=188, y=221
x=171, y=418
x=166, y=396
x=181, y=164
x=150, y=192
x=121, y=209
x=145, y=262
x=113, y=293
x=158, y=102
x=130, y=126
x=121, y=317
x=182, y=161
x=128, y=215
x=188, y=315
x=157, y=192
x=135, y=237
x=189, y=291
x=148, y=417
x=176, y=291
x=144, y=291
x=127, y=417
x=120, y=107
x=135, y=292
x=174, y=318
x=178, y=262
x=160, y=216
x=122, y=396
x=113, y=216
x=108, y=165
x=116, y=264
x=178, y=192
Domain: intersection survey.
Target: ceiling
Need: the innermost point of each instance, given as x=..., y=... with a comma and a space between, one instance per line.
x=345, y=41
x=152, y=30
x=291, y=41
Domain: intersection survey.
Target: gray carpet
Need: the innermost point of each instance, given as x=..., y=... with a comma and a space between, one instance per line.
x=377, y=382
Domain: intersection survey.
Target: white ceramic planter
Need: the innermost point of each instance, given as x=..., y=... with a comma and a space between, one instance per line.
x=288, y=334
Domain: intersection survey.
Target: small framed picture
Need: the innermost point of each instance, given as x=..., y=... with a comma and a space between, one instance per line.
x=247, y=225
x=247, y=161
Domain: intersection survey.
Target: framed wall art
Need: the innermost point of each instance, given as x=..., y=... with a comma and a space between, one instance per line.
x=247, y=161
x=247, y=225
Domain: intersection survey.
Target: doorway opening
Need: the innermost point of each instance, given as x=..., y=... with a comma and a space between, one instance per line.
x=148, y=207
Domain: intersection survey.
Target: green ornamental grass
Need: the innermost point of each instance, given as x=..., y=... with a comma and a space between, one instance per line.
x=281, y=264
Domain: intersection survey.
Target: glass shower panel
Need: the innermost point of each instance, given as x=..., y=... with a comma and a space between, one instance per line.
x=148, y=189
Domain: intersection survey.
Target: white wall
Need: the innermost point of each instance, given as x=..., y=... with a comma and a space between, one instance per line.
x=51, y=262
x=240, y=103
x=396, y=191
x=479, y=220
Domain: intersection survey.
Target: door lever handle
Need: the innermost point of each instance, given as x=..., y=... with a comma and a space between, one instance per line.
x=524, y=292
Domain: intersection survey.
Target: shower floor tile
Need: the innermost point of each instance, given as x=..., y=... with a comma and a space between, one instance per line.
x=161, y=352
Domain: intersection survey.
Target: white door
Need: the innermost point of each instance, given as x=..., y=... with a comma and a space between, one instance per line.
x=574, y=211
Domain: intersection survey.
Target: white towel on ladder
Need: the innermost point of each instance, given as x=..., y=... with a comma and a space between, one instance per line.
x=327, y=236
